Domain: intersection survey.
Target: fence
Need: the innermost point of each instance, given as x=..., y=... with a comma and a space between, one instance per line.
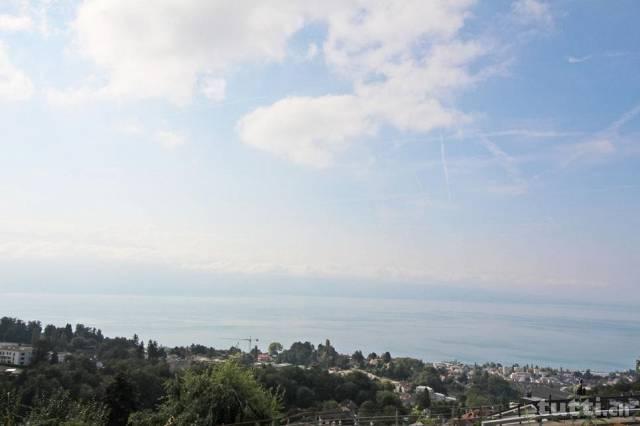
x=524, y=411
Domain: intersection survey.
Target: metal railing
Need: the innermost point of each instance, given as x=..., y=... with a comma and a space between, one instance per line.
x=594, y=406
x=524, y=411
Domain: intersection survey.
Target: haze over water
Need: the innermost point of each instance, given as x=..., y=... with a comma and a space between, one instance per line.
x=572, y=336
x=349, y=155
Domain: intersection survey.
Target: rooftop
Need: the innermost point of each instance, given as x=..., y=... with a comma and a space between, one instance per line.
x=15, y=346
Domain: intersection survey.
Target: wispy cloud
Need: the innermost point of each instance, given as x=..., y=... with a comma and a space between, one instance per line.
x=624, y=119
x=599, y=145
x=533, y=11
x=578, y=59
x=214, y=89
x=166, y=138
x=589, y=150
x=508, y=189
x=15, y=23
x=529, y=133
x=509, y=165
x=15, y=84
x=170, y=139
x=573, y=59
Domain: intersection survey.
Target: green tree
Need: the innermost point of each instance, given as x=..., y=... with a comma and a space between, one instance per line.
x=429, y=376
x=358, y=358
x=60, y=409
x=488, y=389
x=154, y=351
x=300, y=354
x=255, y=352
x=327, y=354
x=305, y=397
x=120, y=399
x=387, y=398
x=140, y=350
x=423, y=400
x=275, y=348
x=68, y=332
x=367, y=408
x=223, y=393
x=9, y=408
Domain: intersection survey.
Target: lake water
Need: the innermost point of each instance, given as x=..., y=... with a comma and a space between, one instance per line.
x=575, y=336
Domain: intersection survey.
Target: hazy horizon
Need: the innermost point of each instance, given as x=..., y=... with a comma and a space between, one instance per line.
x=479, y=331
x=436, y=150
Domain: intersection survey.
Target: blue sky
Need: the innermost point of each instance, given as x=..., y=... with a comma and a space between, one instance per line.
x=486, y=145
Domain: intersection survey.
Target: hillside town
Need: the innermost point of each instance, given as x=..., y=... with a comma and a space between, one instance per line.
x=303, y=378
x=532, y=381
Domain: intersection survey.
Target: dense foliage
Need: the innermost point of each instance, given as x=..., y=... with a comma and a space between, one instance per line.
x=80, y=377
x=487, y=389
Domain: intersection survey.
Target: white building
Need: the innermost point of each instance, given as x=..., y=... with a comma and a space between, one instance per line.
x=520, y=377
x=434, y=396
x=61, y=356
x=15, y=354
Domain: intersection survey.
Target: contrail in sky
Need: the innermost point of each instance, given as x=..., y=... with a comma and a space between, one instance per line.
x=445, y=169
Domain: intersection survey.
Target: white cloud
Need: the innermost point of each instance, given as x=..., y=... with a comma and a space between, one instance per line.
x=169, y=139
x=15, y=23
x=161, y=50
x=366, y=36
x=15, y=85
x=307, y=130
x=214, y=89
x=405, y=60
x=533, y=12
x=578, y=59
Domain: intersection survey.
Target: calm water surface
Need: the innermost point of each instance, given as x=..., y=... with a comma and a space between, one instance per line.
x=600, y=338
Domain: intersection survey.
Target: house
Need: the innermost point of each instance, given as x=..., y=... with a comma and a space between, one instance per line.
x=263, y=358
x=520, y=377
x=423, y=388
x=402, y=387
x=435, y=396
x=16, y=354
x=59, y=356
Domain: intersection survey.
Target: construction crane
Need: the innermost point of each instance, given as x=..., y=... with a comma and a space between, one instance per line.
x=249, y=340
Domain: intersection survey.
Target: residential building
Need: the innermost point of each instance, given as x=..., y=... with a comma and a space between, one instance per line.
x=264, y=358
x=15, y=354
x=60, y=356
x=520, y=377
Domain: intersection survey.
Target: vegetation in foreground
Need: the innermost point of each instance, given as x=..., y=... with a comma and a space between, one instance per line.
x=119, y=381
